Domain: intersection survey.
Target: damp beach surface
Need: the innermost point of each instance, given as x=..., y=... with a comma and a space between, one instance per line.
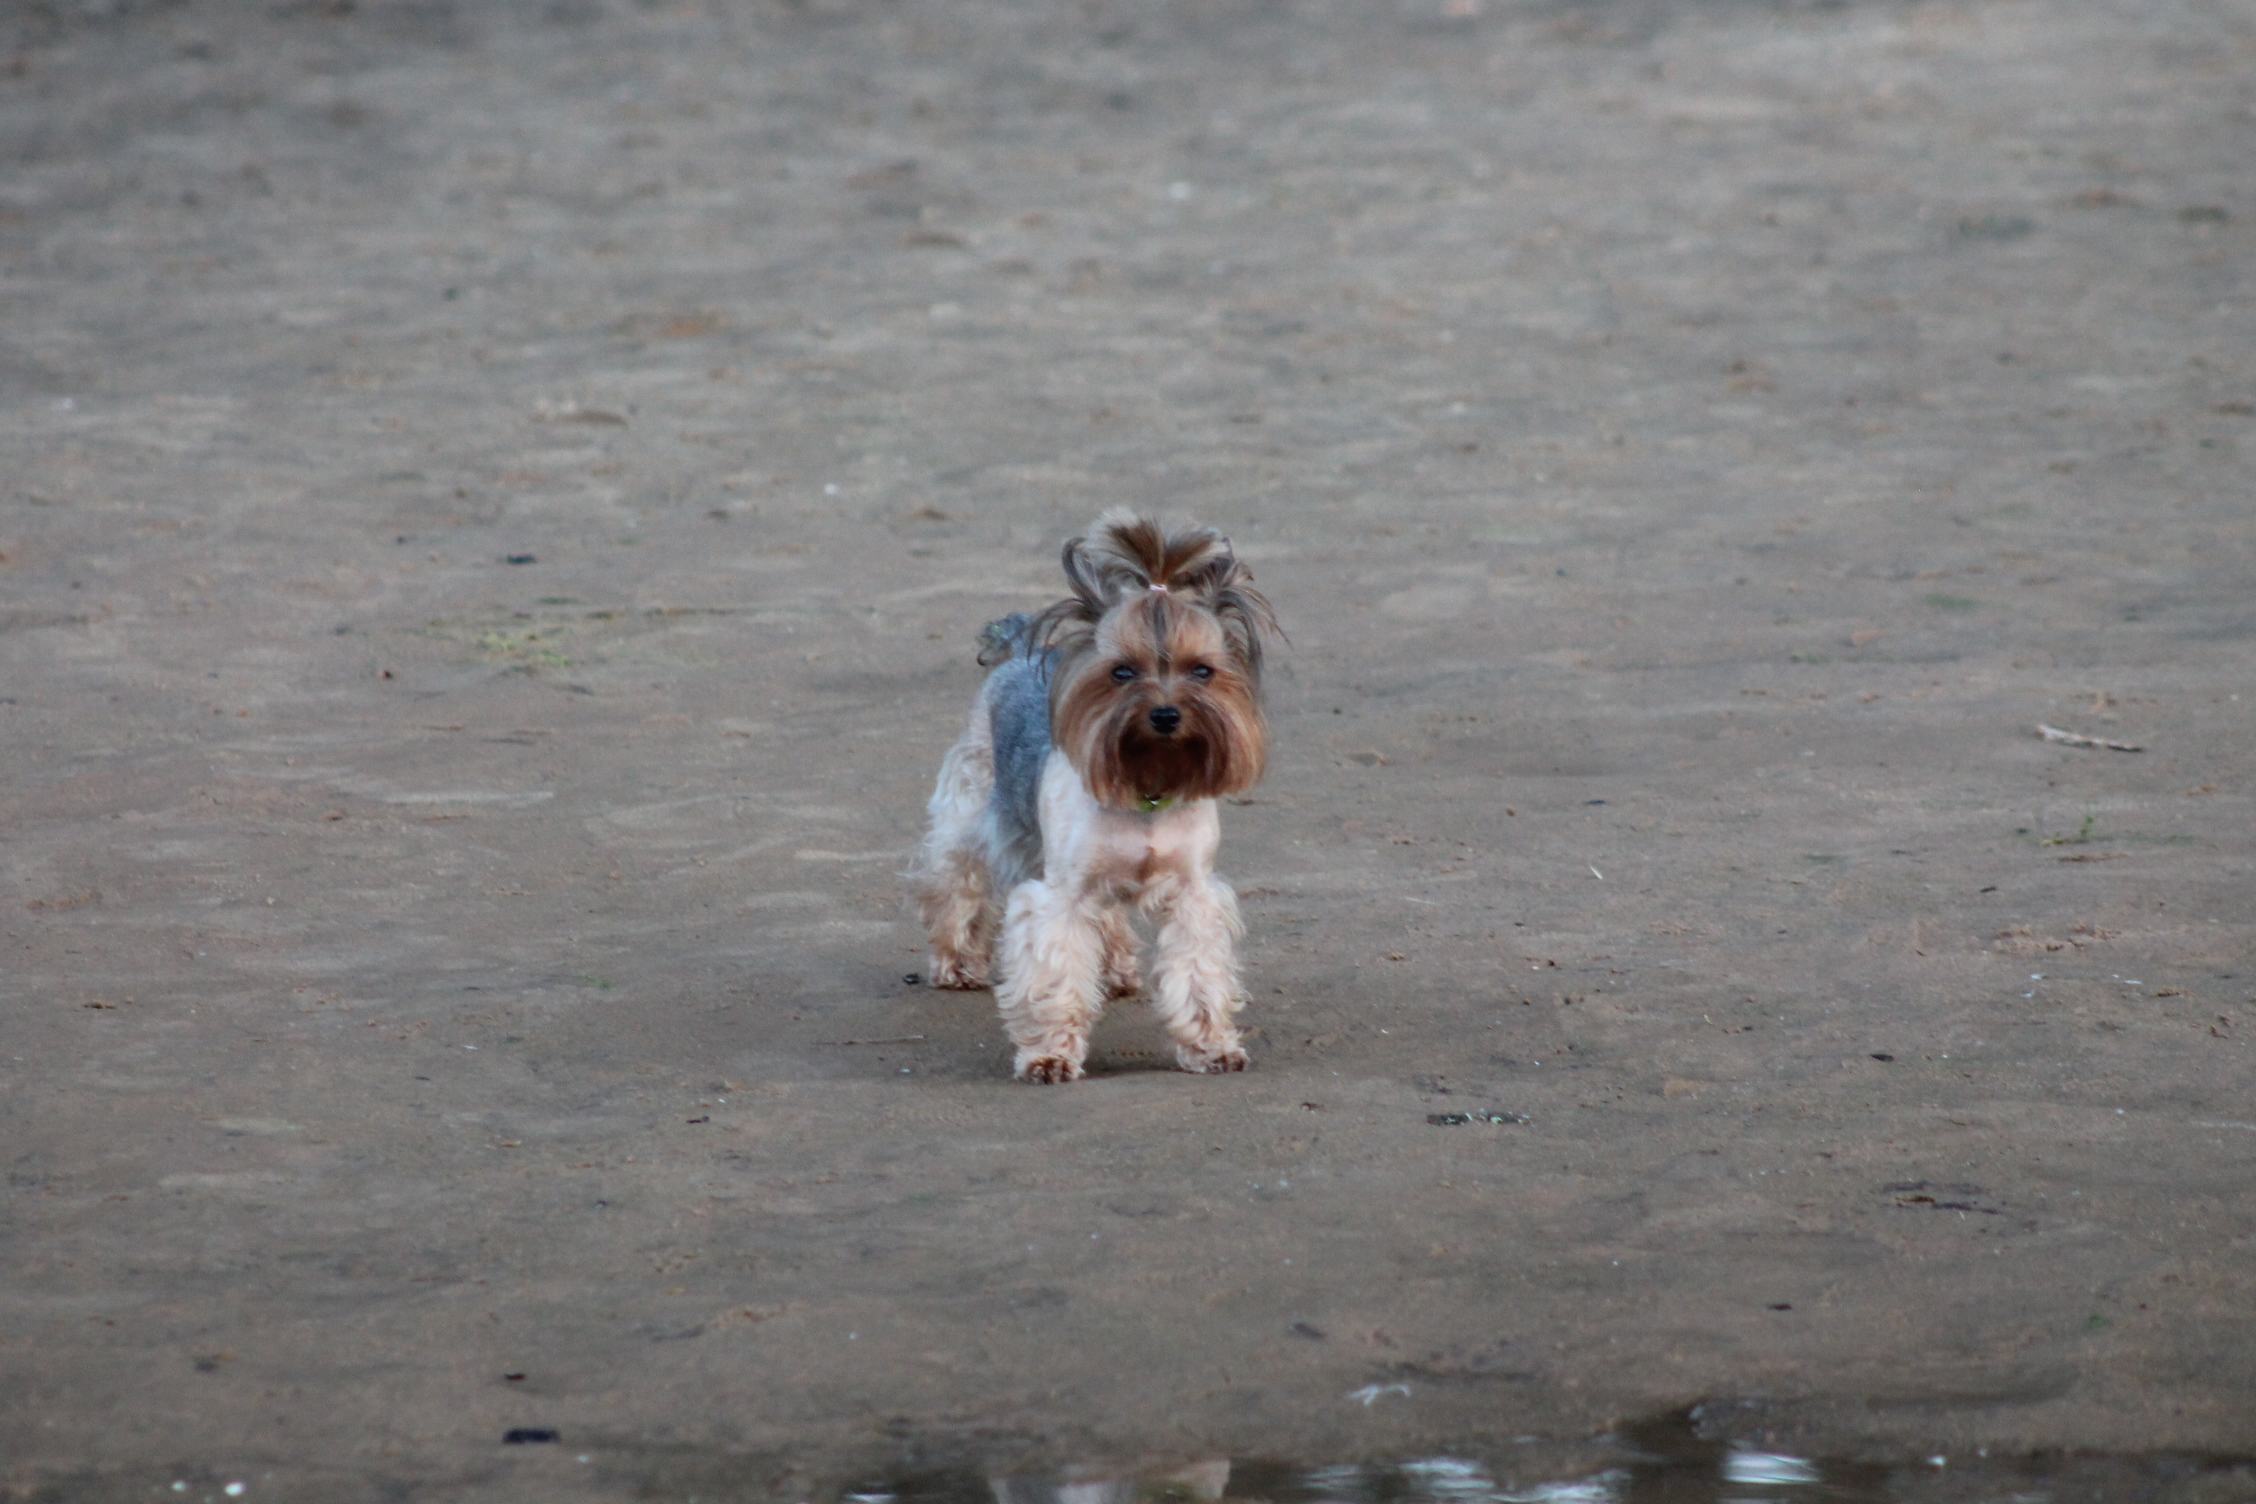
x=498, y=505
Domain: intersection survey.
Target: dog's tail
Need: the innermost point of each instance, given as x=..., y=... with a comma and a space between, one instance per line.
x=1010, y=637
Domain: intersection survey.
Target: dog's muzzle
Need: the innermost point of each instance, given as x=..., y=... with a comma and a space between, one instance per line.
x=1165, y=719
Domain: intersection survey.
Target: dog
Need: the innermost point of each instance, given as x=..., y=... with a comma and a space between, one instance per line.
x=1085, y=788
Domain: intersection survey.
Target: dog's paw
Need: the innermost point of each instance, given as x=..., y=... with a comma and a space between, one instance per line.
x=1049, y=1070
x=959, y=975
x=1212, y=1062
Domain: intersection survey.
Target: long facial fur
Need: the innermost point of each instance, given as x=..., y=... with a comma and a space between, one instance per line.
x=1208, y=617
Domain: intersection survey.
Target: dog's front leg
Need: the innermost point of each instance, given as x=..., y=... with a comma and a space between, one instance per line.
x=1053, y=979
x=1197, y=991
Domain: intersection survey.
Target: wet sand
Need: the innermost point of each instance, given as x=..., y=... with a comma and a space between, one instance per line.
x=498, y=503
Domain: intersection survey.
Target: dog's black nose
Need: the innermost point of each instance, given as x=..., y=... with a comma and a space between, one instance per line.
x=1165, y=719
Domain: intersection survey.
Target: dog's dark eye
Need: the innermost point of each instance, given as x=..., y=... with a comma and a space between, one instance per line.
x=1122, y=673
x=1202, y=672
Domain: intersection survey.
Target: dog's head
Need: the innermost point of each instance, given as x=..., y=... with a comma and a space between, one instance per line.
x=1156, y=693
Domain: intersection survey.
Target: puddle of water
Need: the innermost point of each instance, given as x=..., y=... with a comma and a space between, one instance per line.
x=1681, y=1458
x=1664, y=1461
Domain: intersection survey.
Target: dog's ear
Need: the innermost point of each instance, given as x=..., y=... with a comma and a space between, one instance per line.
x=1077, y=614
x=1245, y=614
x=1085, y=572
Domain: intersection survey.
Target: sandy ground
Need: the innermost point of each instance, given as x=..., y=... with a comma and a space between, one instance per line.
x=497, y=502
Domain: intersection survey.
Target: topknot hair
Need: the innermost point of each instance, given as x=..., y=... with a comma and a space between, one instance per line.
x=1126, y=556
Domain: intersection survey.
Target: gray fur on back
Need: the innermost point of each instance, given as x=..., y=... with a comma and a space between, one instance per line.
x=1018, y=707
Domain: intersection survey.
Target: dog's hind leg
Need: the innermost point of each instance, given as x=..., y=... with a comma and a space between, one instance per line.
x=1197, y=995
x=1122, y=977
x=958, y=915
x=949, y=878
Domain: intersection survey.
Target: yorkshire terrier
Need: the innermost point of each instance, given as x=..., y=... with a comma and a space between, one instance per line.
x=1084, y=786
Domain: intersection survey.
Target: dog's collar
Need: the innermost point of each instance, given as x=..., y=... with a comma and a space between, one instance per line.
x=1152, y=805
